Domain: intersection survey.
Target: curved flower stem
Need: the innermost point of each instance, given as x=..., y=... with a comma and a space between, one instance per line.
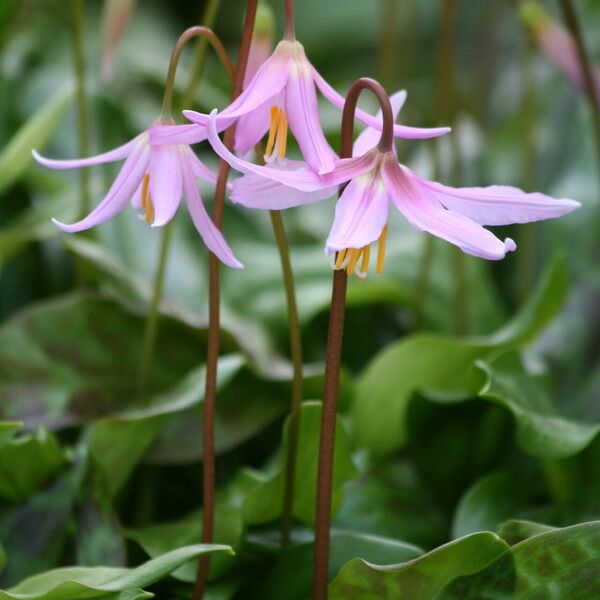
x=297, y=381
x=334, y=348
x=83, y=121
x=149, y=341
x=586, y=66
x=214, y=333
x=289, y=33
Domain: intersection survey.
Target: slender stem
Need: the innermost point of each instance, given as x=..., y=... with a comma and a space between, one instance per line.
x=208, y=20
x=388, y=43
x=333, y=355
x=297, y=382
x=148, y=345
x=289, y=33
x=214, y=298
x=586, y=66
x=83, y=121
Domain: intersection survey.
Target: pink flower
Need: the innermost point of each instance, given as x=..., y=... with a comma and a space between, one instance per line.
x=557, y=44
x=153, y=178
x=375, y=178
x=285, y=85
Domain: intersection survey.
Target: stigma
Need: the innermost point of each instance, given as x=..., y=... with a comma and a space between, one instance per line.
x=146, y=200
x=356, y=260
x=278, y=132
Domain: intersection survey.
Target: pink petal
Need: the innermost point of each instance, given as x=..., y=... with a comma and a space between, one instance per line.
x=399, y=130
x=117, y=154
x=176, y=134
x=302, y=112
x=211, y=236
x=122, y=189
x=165, y=183
x=496, y=204
x=251, y=128
x=254, y=191
x=424, y=212
x=199, y=168
x=360, y=214
x=136, y=199
x=369, y=138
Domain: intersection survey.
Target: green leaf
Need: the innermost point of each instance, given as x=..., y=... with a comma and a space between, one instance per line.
x=75, y=358
x=27, y=462
x=563, y=563
x=8, y=430
x=421, y=578
x=487, y=503
x=2, y=558
x=541, y=429
x=429, y=362
x=291, y=575
x=515, y=531
x=163, y=537
x=119, y=442
x=264, y=503
x=34, y=134
x=76, y=583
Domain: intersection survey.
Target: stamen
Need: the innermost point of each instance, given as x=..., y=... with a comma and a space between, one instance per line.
x=364, y=265
x=145, y=184
x=282, y=133
x=381, y=250
x=340, y=259
x=354, y=256
x=275, y=119
x=149, y=210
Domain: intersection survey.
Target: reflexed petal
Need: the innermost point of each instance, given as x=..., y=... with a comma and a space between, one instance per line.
x=426, y=214
x=303, y=116
x=251, y=128
x=166, y=183
x=399, y=130
x=369, y=138
x=253, y=191
x=496, y=204
x=117, y=154
x=121, y=191
x=198, y=167
x=176, y=134
x=211, y=236
x=360, y=214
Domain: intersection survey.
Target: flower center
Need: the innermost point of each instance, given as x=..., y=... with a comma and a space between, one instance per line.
x=278, y=131
x=146, y=200
x=348, y=259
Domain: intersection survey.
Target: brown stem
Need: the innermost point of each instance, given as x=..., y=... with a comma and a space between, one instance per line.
x=334, y=348
x=214, y=298
x=289, y=20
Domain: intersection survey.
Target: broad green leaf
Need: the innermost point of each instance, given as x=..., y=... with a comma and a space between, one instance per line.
x=291, y=574
x=429, y=362
x=26, y=462
x=421, y=578
x=8, y=430
x=487, y=503
x=16, y=155
x=515, y=531
x=75, y=358
x=542, y=430
x=118, y=442
x=264, y=503
x=563, y=563
x=163, y=537
x=77, y=583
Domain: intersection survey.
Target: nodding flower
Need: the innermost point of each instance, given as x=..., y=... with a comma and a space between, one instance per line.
x=286, y=86
x=154, y=179
x=374, y=178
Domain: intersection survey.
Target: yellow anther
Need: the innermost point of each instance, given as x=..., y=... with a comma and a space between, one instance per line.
x=145, y=184
x=381, y=250
x=275, y=118
x=354, y=256
x=282, y=133
x=339, y=261
x=366, y=255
